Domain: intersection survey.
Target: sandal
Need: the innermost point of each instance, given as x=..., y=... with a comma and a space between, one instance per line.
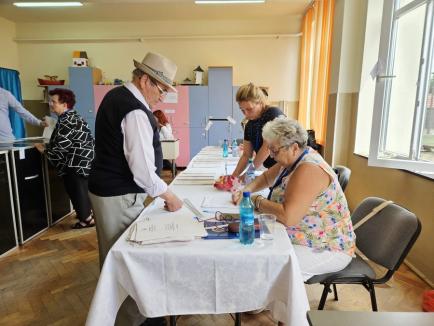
x=87, y=224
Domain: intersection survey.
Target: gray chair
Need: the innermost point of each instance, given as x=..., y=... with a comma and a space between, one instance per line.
x=343, y=174
x=385, y=239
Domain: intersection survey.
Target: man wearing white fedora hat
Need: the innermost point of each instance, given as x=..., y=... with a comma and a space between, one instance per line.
x=128, y=160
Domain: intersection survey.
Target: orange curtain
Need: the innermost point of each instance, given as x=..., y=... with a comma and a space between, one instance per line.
x=315, y=62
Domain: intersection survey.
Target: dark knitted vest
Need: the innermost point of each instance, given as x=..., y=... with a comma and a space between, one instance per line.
x=110, y=174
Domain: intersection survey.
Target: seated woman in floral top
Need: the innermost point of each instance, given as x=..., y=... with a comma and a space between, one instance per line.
x=305, y=195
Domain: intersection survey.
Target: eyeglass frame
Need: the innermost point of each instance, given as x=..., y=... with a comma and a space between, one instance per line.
x=274, y=153
x=160, y=90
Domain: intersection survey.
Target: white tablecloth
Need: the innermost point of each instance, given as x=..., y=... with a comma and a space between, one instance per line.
x=201, y=276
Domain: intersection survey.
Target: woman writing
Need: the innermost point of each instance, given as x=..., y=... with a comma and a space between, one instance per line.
x=253, y=103
x=306, y=197
x=71, y=151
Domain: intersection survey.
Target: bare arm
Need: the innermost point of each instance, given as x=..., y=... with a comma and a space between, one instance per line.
x=244, y=159
x=263, y=181
x=261, y=156
x=304, y=185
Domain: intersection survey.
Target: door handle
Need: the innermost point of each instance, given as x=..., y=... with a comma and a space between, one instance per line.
x=31, y=177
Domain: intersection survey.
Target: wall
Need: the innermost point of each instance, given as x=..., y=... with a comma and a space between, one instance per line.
x=350, y=97
x=347, y=52
x=408, y=190
x=272, y=62
x=9, y=49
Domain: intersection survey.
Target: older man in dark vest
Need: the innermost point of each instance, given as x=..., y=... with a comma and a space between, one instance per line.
x=128, y=160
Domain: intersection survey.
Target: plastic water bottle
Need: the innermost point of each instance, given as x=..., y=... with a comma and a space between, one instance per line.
x=250, y=173
x=234, y=148
x=247, y=220
x=225, y=148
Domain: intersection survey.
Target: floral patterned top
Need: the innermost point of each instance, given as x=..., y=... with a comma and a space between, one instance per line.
x=327, y=223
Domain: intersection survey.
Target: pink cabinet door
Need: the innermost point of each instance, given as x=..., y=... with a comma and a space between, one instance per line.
x=176, y=107
x=99, y=92
x=183, y=134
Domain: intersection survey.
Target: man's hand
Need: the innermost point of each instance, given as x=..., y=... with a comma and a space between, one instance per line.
x=43, y=123
x=171, y=202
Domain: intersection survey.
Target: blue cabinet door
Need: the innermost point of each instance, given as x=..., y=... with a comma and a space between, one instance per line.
x=81, y=83
x=237, y=129
x=198, y=140
x=219, y=131
x=198, y=96
x=220, y=91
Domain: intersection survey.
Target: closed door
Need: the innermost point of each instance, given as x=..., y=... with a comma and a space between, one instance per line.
x=219, y=131
x=29, y=192
x=237, y=130
x=198, y=140
x=176, y=107
x=198, y=96
x=8, y=238
x=59, y=199
x=81, y=83
x=220, y=91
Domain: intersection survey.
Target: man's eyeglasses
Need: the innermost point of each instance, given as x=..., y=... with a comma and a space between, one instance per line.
x=160, y=90
x=275, y=152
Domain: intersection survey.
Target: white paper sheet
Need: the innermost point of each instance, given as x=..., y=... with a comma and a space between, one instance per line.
x=166, y=226
x=50, y=128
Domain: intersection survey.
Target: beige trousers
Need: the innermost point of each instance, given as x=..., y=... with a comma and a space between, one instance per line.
x=113, y=215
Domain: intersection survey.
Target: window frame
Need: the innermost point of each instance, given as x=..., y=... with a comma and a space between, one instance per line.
x=384, y=78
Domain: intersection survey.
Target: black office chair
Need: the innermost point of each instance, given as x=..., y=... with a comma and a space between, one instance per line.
x=343, y=174
x=385, y=239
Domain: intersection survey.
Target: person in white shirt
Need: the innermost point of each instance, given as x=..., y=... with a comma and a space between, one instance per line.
x=8, y=101
x=165, y=127
x=128, y=160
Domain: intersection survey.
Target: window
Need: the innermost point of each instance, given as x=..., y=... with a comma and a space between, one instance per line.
x=402, y=134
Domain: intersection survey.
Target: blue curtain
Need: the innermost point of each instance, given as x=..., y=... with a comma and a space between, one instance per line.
x=10, y=80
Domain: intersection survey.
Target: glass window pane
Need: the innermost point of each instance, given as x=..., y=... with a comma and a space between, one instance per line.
x=403, y=90
x=427, y=150
x=403, y=3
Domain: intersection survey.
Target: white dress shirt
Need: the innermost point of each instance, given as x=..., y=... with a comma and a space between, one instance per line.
x=138, y=148
x=7, y=100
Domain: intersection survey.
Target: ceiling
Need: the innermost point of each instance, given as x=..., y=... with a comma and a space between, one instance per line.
x=145, y=10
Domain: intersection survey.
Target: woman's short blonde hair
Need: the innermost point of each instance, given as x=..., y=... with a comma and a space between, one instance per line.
x=286, y=131
x=251, y=93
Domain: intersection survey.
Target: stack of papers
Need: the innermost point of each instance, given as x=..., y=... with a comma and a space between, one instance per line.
x=165, y=227
x=196, y=176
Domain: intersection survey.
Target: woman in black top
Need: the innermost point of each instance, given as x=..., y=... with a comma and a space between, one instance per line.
x=71, y=151
x=253, y=103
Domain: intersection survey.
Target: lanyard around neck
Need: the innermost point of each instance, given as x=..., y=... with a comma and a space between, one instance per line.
x=285, y=172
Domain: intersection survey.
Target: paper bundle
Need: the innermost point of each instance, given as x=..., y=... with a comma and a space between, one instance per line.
x=158, y=227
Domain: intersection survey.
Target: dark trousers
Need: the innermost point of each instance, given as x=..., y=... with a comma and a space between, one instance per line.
x=76, y=187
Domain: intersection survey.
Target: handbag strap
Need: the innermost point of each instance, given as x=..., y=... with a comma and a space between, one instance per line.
x=374, y=211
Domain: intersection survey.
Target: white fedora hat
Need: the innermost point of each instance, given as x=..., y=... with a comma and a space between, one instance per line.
x=159, y=68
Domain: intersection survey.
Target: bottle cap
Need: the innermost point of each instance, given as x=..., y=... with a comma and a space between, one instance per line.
x=246, y=193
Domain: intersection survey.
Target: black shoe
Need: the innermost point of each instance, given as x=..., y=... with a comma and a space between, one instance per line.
x=157, y=321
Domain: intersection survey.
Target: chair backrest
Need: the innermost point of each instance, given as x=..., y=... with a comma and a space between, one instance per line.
x=343, y=174
x=388, y=236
